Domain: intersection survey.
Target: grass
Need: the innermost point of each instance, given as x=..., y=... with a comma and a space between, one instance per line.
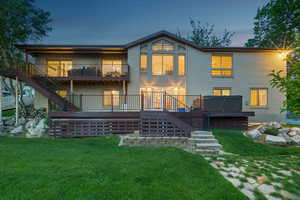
x=235, y=142
x=9, y=113
x=96, y=168
x=262, y=159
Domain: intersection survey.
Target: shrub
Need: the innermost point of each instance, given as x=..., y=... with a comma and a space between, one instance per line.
x=271, y=131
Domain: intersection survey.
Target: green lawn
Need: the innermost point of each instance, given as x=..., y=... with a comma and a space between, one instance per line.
x=235, y=142
x=9, y=113
x=96, y=168
x=281, y=165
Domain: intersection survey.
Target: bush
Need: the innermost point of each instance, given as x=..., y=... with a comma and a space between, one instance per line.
x=271, y=131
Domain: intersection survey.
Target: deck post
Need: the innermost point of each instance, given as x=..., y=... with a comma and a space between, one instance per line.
x=1, y=100
x=112, y=102
x=71, y=86
x=142, y=100
x=17, y=100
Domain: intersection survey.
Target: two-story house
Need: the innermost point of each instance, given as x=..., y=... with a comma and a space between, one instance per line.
x=158, y=72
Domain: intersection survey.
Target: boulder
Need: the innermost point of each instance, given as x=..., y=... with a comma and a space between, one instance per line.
x=253, y=133
x=284, y=131
x=296, y=130
x=37, y=131
x=292, y=133
x=275, y=125
x=296, y=140
x=17, y=130
x=276, y=140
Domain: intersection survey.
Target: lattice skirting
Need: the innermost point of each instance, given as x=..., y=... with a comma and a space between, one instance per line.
x=91, y=127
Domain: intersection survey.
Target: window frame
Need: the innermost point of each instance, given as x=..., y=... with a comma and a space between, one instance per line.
x=146, y=68
x=221, y=69
x=59, y=71
x=184, y=67
x=163, y=71
x=222, y=88
x=259, y=106
x=110, y=96
x=162, y=45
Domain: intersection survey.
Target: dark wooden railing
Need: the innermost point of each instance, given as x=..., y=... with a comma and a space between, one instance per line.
x=153, y=102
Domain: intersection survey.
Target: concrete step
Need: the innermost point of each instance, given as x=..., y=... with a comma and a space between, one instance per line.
x=213, y=146
x=201, y=132
x=205, y=140
x=203, y=137
x=205, y=152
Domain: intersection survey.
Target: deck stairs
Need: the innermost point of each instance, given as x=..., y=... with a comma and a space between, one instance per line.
x=204, y=142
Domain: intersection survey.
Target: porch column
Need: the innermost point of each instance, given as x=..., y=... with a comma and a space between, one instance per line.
x=124, y=88
x=17, y=100
x=71, y=87
x=1, y=99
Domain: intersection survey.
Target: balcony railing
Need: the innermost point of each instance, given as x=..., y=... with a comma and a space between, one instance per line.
x=154, y=102
x=82, y=71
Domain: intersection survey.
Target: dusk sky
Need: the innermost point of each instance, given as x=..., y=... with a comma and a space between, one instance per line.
x=122, y=21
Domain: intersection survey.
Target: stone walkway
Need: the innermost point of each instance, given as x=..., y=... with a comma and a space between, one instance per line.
x=265, y=178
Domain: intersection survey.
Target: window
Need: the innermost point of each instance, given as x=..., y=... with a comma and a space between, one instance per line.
x=162, y=45
x=143, y=62
x=222, y=91
x=112, y=68
x=62, y=93
x=221, y=66
x=111, y=97
x=162, y=64
x=258, y=97
x=181, y=65
x=59, y=68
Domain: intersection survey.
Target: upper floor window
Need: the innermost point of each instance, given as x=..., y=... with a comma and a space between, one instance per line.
x=162, y=45
x=222, y=91
x=221, y=66
x=181, y=65
x=162, y=64
x=143, y=62
x=59, y=68
x=111, y=67
x=258, y=97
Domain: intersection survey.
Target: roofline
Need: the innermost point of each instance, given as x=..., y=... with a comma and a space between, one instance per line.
x=35, y=48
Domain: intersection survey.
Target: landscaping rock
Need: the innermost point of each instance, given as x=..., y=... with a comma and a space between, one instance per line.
x=292, y=133
x=284, y=131
x=275, y=125
x=262, y=179
x=296, y=140
x=276, y=140
x=17, y=130
x=219, y=164
x=37, y=131
x=253, y=133
x=266, y=189
x=296, y=130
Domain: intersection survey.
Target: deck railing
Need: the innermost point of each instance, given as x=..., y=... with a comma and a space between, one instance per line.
x=85, y=70
x=153, y=102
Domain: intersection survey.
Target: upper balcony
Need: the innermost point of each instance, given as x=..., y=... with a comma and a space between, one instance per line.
x=85, y=72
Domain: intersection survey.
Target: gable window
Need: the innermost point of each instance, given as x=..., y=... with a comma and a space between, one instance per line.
x=222, y=91
x=258, y=97
x=59, y=68
x=221, y=66
x=111, y=97
x=162, y=45
x=143, y=62
x=111, y=67
x=181, y=65
x=162, y=64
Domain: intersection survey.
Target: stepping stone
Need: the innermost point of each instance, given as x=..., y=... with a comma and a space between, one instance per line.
x=209, y=146
x=205, y=140
x=266, y=189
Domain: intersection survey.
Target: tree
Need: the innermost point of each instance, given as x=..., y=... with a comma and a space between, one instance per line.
x=275, y=24
x=20, y=21
x=204, y=35
x=289, y=84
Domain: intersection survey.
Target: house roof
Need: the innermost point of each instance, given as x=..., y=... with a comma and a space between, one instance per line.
x=59, y=48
